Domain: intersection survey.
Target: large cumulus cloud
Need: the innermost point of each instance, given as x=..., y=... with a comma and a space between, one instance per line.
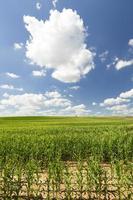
x=59, y=44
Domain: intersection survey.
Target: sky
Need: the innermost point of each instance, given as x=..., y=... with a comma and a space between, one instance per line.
x=66, y=57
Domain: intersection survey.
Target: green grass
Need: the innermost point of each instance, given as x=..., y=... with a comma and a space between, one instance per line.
x=32, y=144
x=71, y=137
x=11, y=122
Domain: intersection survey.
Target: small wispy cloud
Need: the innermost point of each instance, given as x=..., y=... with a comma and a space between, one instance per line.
x=12, y=75
x=54, y=3
x=74, y=87
x=6, y=86
x=130, y=43
x=94, y=103
x=38, y=6
x=18, y=46
x=39, y=73
x=103, y=56
x=10, y=87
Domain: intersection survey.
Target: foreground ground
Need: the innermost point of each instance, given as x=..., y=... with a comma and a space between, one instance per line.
x=66, y=158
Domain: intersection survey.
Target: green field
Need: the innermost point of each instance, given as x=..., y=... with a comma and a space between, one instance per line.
x=72, y=157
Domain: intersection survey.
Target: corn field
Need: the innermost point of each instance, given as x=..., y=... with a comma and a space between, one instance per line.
x=66, y=158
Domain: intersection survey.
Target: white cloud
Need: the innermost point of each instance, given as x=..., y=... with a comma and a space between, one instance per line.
x=114, y=61
x=77, y=110
x=5, y=95
x=10, y=87
x=39, y=73
x=54, y=2
x=12, y=75
x=123, y=63
x=38, y=6
x=18, y=46
x=103, y=56
x=94, y=103
x=49, y=103
x=6, y=86
x=114, y=101
x=109, y=65
x=76, y=87
x=70, y=95
x=130, y=43
x=120, y=105
x=19, y=89
x=59, y=44
x=127, y=94
x=53, y=94
x=119, y=109
x=120, y=64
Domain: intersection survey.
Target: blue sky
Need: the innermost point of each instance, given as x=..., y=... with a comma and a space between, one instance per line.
x=78, y=62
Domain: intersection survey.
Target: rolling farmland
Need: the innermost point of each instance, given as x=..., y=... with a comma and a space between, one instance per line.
x=66, y=158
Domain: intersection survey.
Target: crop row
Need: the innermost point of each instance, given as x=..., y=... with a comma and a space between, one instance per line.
x=66, y=163
x=61, y=180
x=106, y=143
